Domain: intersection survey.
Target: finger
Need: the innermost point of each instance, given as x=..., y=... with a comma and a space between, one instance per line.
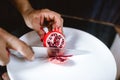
x=41, y=20
x=41, y=33
x=54, y=21
x=60, y=27
x=57, y=18
x=50, y=25
x=21, y=47
x=36, y=24
x=48, y=18
x=5, y=76
x=14, y=43
x=58, y=22
x=4, y=56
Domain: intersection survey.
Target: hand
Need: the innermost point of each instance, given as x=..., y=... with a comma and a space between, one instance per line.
x=37, y=19
x=9, y=41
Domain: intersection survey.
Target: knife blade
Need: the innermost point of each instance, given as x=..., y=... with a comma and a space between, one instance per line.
x=43, y=51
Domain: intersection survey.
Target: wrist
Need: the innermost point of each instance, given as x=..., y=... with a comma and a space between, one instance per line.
x=23, y=6
x=27, y=12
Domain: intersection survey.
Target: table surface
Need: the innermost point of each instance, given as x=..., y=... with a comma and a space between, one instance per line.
x=97, y=64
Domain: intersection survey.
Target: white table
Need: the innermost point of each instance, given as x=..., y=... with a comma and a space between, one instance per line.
x=98, y=64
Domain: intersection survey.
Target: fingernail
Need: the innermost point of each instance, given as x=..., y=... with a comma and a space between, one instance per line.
x=31, y=58
x=60, y=29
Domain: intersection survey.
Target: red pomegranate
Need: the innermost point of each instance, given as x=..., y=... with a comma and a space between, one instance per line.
x=54, y=39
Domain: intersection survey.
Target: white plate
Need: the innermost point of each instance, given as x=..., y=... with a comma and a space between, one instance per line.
x=99, y=64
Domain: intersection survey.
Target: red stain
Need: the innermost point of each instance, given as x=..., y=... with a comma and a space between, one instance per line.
x=57, y=57
x=56, y=40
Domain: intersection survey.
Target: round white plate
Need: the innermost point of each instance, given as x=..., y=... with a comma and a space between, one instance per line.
x=98, y=64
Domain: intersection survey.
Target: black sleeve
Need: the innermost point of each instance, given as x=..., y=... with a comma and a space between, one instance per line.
x=2, y=70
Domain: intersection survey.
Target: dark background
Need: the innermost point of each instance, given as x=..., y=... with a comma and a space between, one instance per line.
x=102, y=10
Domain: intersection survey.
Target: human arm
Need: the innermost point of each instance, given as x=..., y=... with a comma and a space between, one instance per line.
x=36, y=19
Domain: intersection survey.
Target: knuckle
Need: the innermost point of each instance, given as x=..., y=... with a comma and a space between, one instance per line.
x=22, y=47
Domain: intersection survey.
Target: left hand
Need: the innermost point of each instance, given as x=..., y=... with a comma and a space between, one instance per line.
x=37, y=19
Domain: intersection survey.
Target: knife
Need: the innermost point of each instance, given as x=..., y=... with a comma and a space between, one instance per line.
x=43, y=52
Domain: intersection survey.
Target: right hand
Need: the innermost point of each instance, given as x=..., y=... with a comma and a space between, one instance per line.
x=8, y=41
x=37, y=19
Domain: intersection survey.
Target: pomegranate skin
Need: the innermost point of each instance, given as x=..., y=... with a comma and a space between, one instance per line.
x=54, y=39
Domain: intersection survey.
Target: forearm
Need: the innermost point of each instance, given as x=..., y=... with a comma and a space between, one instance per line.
x=4, y=34
x=23, y=6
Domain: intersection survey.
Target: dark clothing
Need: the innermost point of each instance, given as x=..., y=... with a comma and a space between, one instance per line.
x=2, y=70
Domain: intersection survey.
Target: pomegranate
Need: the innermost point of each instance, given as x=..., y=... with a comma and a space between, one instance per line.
x=54, y=39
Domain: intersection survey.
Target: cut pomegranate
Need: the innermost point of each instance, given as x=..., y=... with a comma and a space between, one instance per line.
x=54, y=39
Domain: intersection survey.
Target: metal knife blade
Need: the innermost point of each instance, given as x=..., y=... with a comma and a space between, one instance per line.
x=43, y=51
